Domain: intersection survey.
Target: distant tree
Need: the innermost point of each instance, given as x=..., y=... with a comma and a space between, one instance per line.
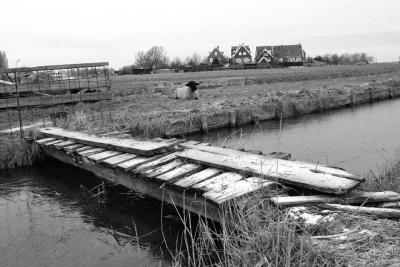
x=318, y=58
x=194, y=60
x=3, y=61
x=334, y=59
x=176, y=63
x=154, y=58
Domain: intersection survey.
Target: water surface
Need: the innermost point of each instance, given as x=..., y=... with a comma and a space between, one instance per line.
x=357, y=139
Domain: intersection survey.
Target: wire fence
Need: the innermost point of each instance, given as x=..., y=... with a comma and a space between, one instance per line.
x=43, y=95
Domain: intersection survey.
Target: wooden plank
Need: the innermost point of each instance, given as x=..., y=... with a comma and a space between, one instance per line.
x=52, y=142
x=198, y=177
x=265, y=159
x=155, y=163
x=133, y=163
x=73, y=148
x=218, y=182
x=288, y=172
x=189, y=144
x=352, y=198
x=84, y=148
x=133, y=146
x=380, y=212
x=240, y=188
x=163, y=169
x=103, y=155
x=64, y=144
x=114, y=161
x=175, y=174
x=88, y=152
x=45, y=140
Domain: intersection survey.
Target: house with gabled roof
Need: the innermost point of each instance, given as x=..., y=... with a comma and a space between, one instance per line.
x=241, y=54
x=288, y=55
x=216, y=57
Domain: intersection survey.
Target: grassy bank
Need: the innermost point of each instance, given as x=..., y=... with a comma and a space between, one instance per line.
x=16, y=152
x=261, y=235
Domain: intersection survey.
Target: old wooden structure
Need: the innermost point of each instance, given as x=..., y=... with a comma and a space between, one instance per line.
x=191, y=175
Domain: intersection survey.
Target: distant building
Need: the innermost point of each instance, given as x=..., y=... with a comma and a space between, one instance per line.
x=241, y=54
x=216, y=57
x=288, y=55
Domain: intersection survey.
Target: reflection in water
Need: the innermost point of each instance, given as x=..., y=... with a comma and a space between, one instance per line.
x=358, y=139
x=45, y=220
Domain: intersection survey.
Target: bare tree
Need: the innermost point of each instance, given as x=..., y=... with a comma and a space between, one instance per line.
x=154, y=58
x=3, y=61
x=176, y=63
x=194, y=60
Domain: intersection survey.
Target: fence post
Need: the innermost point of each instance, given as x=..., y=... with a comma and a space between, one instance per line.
x=21, y=130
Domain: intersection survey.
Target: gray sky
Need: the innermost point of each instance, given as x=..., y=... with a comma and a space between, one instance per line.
x=44, y=32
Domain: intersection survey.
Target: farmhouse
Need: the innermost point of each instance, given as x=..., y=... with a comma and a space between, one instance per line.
x=216, y=57
x=240, y=54
x=287, y=55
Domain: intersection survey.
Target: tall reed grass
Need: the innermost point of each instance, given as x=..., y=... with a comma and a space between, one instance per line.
x=16, y=152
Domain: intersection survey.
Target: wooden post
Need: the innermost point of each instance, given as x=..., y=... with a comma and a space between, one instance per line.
x=21, y=130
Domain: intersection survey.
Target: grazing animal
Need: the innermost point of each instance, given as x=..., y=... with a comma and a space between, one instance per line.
x=188, y=92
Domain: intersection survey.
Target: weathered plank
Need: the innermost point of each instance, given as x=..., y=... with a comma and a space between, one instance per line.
x=259, y=158
x=288, y=172
x=114, y=161
x=380, y=212
x=80, y=149
x=155, y=163
x=90, y=152
x=52, y=142
x=240, y=188
x=73, y=148
x=64, y=144
x=134, y=146
x=218, y=182
x=162, y=169
x=45, y=140
x=103, y=155
x=352, y=198
x=198, y=177
x=179, y=172
x=133, y=163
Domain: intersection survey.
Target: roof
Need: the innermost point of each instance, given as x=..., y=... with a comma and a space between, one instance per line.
x=282, y=50
x=235, y=49
x=215, y=49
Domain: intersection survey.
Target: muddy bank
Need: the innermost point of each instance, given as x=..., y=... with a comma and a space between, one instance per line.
x=274, y=106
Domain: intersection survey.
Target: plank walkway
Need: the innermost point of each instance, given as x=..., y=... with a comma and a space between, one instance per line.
x=192, y=175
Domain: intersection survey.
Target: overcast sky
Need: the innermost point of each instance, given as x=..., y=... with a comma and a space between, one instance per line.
x=45, y=32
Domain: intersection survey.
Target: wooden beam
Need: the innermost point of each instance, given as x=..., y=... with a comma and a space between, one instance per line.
x=352, y=198
x=179, y=172
x=380, y=212
x=284, y=171
x=103, y=155
x=189, y=181
x=114, y=161
x=134, y=146
x=151, y=188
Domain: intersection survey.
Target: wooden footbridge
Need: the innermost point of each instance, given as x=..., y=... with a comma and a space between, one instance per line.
x=194, y=176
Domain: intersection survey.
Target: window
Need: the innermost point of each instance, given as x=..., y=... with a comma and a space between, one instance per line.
x=244, y=53
x=216, y=53
x=240, y=53
x=211, y=60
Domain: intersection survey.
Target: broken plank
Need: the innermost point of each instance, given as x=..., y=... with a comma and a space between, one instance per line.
x=45, y=140
x=63, y=144
x=380, y=212
x=395, y=204
x=103, y=155
x=284, y=171
x=198, y=177
x=135, y=146
x=155, y=163
x=90, y=152
x=179, y=172
x=240, y=188
x=352, y=198
x=267, y=161
x=218, y=182
x=163, y=169
x=133, y=163
x=114, y=161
